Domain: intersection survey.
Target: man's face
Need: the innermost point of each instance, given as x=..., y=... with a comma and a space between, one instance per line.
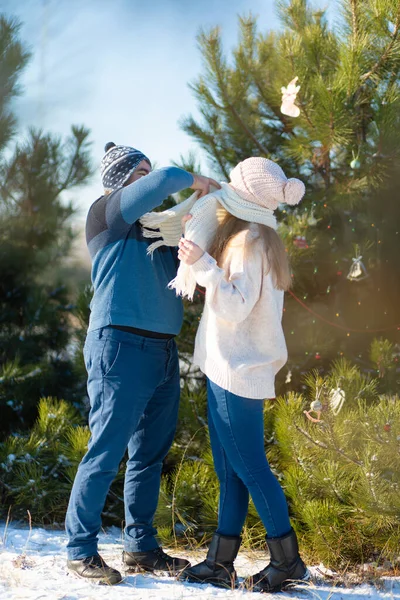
x=141, y=170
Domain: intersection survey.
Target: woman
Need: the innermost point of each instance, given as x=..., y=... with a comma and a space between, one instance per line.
x=231, y=248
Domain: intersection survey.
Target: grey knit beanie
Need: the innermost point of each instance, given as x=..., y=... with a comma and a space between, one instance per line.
x=118, y=164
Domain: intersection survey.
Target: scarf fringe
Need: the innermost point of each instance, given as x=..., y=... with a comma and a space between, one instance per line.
x=150, y=233
x=153, y=220
x=150, y=250
x=183, y=284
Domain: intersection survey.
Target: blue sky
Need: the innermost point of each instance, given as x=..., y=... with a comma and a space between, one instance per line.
x=120, y=68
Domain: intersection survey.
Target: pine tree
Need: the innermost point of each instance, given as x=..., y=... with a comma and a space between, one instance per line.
x=343, y=144
x=340, y=467
x=35, y=238
x=334, y=449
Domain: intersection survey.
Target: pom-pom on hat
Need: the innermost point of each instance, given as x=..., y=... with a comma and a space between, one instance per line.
x=118, y=164
x=262, y=181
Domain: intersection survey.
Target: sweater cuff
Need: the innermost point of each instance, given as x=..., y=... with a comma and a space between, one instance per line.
x=203, y=267
x=204, y=263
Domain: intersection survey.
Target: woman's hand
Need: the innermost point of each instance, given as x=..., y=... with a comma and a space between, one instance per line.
x=184, y=220
x=189, y=252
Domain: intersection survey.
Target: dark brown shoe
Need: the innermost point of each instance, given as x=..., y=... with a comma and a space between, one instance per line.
x=95, y=569
x=153, y=561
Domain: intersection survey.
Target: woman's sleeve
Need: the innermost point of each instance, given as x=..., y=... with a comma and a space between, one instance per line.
x=233, y=298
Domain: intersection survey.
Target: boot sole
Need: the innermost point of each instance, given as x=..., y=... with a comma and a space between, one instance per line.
x=289, y=583
x=96, y=581
x=210, y=581
x=156, y=572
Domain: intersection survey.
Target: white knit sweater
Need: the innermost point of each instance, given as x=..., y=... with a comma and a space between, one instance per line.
x=240, y=344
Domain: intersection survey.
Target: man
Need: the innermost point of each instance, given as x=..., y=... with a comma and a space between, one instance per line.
x=132, y=363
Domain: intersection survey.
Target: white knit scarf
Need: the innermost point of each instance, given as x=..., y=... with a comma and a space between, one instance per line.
x=201, y=228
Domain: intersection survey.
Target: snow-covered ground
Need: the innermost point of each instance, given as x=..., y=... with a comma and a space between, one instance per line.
x=32, y=567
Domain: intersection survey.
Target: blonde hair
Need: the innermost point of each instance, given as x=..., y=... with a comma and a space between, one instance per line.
x=229, y=226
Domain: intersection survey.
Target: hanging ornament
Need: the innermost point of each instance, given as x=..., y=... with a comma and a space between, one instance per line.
x=336, y=400
x=315, y=407
x=289, y=94
x=357, y=270
x=355, y=163
x=317, y=356
x=387, y=427
x=300, y=241
x=311, y=219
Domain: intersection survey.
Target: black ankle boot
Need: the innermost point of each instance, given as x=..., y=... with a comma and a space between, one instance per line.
x=217, y=568
x=95, y=569
x=285, y=567
x=153, y=561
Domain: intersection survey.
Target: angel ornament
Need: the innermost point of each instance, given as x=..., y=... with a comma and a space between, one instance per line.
x=337, y=398
x=289, y=94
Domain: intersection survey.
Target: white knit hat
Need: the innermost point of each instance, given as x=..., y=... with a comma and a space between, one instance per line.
x=261, y=181
x=256, y=188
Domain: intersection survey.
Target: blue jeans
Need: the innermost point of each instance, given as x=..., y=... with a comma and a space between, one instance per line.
x=236, y=428
x=134, y=389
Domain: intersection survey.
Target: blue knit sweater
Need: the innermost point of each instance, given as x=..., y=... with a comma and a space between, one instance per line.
x=130, y=288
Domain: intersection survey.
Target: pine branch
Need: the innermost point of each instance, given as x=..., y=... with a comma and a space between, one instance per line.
x=119, y=498
x=354, y=7
x=228, y=105
x=246, y=129
x=68, y=177
x=249, y=27
x=308, y=436
x=6, y=486
x=174, y=508
x=80, y=138
x=387, y=51
x=303, y=106
x=206, y=139
x=218, y=157
x=326, y=447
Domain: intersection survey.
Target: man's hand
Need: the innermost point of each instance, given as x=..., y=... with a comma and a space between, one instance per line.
x=203, y=184
x=189, y=252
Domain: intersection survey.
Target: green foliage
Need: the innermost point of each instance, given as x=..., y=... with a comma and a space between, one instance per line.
x=22, y=385
x=385, y=357
x=35, y=240
x=13, y=59
x=340, y=472
x=33, y=466
x=191, y=435
x=344, y=145
x=346, y=377
x=342, y=476
x=82, y=314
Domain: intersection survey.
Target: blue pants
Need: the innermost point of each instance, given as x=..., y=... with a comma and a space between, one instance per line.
x=236, y=428
x=134, y=389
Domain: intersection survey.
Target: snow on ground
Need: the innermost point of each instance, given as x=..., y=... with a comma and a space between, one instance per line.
x=33, y=567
